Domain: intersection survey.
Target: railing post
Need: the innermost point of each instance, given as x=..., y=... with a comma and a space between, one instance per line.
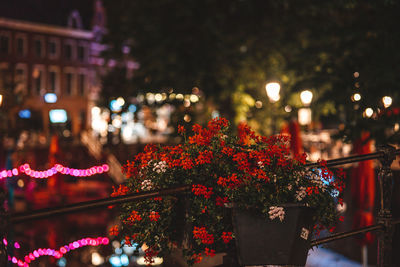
x=3, y=228
x=385, y=177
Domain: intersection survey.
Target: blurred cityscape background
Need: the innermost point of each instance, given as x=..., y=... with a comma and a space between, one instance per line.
x=84, y=85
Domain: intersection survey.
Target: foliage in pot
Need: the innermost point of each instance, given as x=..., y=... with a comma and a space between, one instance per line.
x=221, y=167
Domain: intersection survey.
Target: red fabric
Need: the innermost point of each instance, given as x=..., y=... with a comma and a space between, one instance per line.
x=363, y=188
x=295, y=144
x=293, y=130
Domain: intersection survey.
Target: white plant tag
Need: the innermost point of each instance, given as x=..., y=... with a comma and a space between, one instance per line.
x=304, y=233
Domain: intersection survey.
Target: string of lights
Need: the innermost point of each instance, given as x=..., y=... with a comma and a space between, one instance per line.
x=57, y=168
x=56, y=253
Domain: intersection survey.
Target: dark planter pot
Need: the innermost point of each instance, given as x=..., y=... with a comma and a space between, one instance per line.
x=261, y=241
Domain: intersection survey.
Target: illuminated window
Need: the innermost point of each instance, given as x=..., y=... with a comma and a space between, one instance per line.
x=38, y=79
x=20, y=78
x=53, y=85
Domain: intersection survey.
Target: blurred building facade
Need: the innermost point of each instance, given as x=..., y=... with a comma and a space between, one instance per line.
x=56, y=53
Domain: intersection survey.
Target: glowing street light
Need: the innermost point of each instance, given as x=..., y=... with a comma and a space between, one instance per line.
x=306, y=97
x=273, y=91
x=368, y=112
x=120, y=101
x=1, y=100
x=305, y=114
x=387, y=101
x=356, y=97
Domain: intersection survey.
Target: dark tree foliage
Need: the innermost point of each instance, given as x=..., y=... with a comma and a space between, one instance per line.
x=231, y=48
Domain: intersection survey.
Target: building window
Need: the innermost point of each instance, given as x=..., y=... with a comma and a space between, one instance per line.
x=4, y=44
x=53, y=49
x=81, y=84
x=81, y=53
x=38, y=80
x=4, y=75
x=20, y=42
x=20, y=78
x=53, y=79
x=38, y=48
x=69, y=77
x=69, y=50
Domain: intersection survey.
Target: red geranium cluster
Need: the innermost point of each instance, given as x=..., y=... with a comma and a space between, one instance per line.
x=201, y=190
x=221, y=168
x=226, y=237
x=201, y=233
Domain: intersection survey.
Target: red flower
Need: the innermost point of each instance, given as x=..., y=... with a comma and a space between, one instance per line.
x=181, y=129
x=209, y=252
x=197, y=257
x=219, y=201
x=114, y=230
x=201, y=233
x=154, y=216
x=226, y=237
x=197, y=128
x=204, y=209
x=322, y=162
x=228, y=151
x=186, y=162
x=312, y=190
x=128, y=240
x=204, y=157
x=231, y=182
x=244, y=133
x=122, y=190
x=199, y=190
x=149, y=255
x=133, y=217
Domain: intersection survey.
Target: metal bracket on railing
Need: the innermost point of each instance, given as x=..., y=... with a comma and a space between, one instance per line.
x=3, y=228
x=385, y=177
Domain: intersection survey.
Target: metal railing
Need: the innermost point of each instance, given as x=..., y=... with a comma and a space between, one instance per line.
x=385, y=222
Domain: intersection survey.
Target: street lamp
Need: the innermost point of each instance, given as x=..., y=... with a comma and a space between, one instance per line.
x=273, y=89
x=1, y=100
x=306, y=97
x=387, y=101
x=304, y=114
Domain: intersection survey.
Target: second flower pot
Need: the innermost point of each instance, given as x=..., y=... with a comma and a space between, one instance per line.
x=261, y=241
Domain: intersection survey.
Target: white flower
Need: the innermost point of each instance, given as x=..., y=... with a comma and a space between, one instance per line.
x=276, y=212
x=260, y=164
x=301, y=193
x=316, y=179
x=146, y=185
x=160, y=166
